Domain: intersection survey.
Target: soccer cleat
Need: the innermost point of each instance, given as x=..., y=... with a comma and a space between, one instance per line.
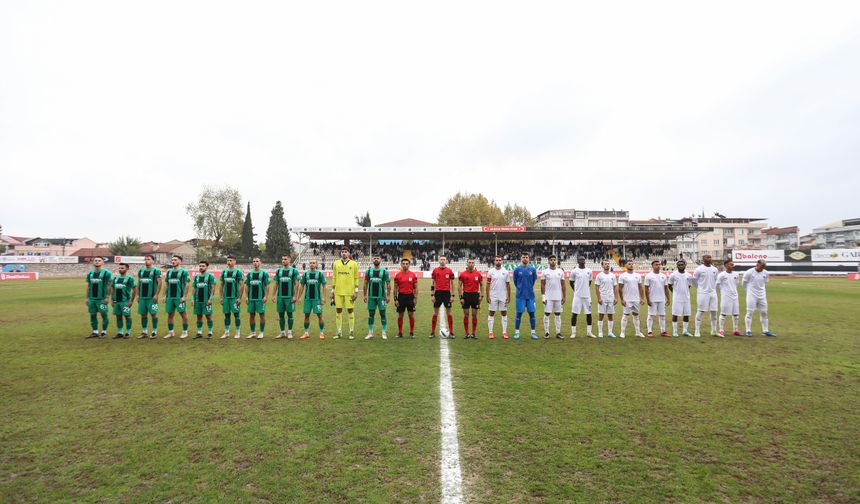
x=534, y=335
x=198, y=335
x=290, y=334
x=400, y=335
x=351, y=335
x=665, y=334
x=504, y=335
x=675, y=334
x=103, y=334
x=260, y=336
x=92, y=335
x=688, y=334
x=369, y=336
x=281, y=335
x=546, y=335
x=610, y=335
x=238, y=334
x=412, y=335
x=721, y=334
x=650, y=334
x=698, y=334
x=126, y=336
x=168, y=335
x=322, y=335
x=517, y=334
x=153, y=335
x=621, y=335
x=225, y=335
x=118, y=336
x=251, y=335
x=432, y=335
x=336, y=336
x=184, y=334
x=591, y=335
x=491, y=336
x=209, y=335
x=142, y=335
x=384, y=335
x=305, y=336
x=640, y=334
x=749, y=334
x=713, y=333
x=736, y=333
x=770, y=334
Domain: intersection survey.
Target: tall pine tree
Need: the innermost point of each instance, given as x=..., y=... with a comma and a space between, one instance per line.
x=249, y=248
x=278, y=241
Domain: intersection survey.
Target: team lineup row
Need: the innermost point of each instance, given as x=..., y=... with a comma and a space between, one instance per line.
x=117, y=293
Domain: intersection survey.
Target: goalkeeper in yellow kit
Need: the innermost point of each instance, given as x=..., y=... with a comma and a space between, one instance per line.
x=344, y=286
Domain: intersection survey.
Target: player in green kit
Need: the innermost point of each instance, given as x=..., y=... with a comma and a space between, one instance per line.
x=313, y=291
x=377, y=291
x=257, y=283
x=284, y=283
x=230, y=291
x=176, y=281
x=204, y=287
x=123, y=290
x=148, y=288
x=98, y=284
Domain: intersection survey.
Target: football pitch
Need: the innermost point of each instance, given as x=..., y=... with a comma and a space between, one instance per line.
x=633, y=420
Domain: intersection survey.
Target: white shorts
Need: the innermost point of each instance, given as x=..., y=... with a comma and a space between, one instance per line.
x=552, y=306
x=706, y=301
x=581, y=304
x=729, y=306
x=631, y=307
x=754, y=304
x=606, y=308
x=657, y=308
x=498, y=305
x=681, y=308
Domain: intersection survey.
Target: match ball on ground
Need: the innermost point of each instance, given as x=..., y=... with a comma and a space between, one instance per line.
x=443, y=333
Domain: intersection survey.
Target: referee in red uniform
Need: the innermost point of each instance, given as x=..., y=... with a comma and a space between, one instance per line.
x=469, y=288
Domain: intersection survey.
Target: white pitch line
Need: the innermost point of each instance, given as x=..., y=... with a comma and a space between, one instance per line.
x=452, y=480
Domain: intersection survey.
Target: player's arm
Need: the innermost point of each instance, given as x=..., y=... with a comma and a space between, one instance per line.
x=183, y=288
x=415, y=290
x=157, y=287
x=480, y=292
x=265, y=286
x=387, y=287
x=640, y=292
x=745, y=281
x=508, y=289
x=596, y=291
x=355, y=280
x=621, y=291
x=364, y=289
x=133, y=293
x=666, y=290
x=110, y=293
x=615, y=291
x=647, y=292
x=87, y=293
x=322, y=290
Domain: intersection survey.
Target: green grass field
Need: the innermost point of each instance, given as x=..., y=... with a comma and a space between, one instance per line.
x=662, y=420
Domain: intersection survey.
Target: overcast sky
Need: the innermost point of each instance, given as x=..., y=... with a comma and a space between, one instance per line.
x=113, y=114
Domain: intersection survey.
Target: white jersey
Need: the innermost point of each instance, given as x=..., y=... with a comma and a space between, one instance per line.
x=629, y=284
x=705, y=279
x=606, y=282
x=656, y=285
x=754, y=283
x=680, y=283
x=727, y=283
x=554, y=279
x=498, y=279
x=582, y=282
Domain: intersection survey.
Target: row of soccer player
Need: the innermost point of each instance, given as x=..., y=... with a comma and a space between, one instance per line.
x=288, y=286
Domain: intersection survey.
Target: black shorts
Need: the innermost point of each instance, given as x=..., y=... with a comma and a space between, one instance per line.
x=442, y=298
x=471, y=300
x=405, y=302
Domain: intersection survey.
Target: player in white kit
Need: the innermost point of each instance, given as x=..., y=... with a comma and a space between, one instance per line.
x=656, y=294
x=727, y=285
x=705, y=280
x=679, y=283
x=580, y=282
x=754, y=282
x=554, y=294
x=498, y=294
x=630, y=294
x=605, y=285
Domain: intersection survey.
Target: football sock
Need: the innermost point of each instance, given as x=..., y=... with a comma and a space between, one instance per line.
x=400, y=323
x=290, y=320
x=649, y=323
x=433, y=324
x=119, y=325
x=466, y=324
x=209, y=324
x=411, y=323
x=722, y=321
x=383, y=318
x=370, y=320
x=748, y=320
x=104, y=321
x=490, y=320
x=451, y=322
x=636, y=321
x=351, y=316
x=504, y=323
x=623, y=323
x=282, y=320
x=517, y=320
x=474, y=324
x=699, y=321
x=128, y=325
x=558, y=324
x=546, y=322
x=763, y=317
x=144, y=322
x=610, y=324
x=338, y=322
x=154, y=323
x=532, y=320
x=170, y=326
x=662, y=319
x=184, y=326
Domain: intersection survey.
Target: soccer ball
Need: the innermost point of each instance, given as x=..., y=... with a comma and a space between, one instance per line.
x=443, y=333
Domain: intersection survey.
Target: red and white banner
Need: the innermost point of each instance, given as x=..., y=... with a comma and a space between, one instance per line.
x=853, y=276
x=27, y=275
x=751, y=256
x=13, y=259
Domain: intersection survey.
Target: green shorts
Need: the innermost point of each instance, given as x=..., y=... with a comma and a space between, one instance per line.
x=174, y=305
x=285, y=304
x=121, y=308
x=147, y=307
x=96, y=306
x=256, y=307
x=202, y=309
x=229, y=306
x=313, y=306
x=374, y=303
